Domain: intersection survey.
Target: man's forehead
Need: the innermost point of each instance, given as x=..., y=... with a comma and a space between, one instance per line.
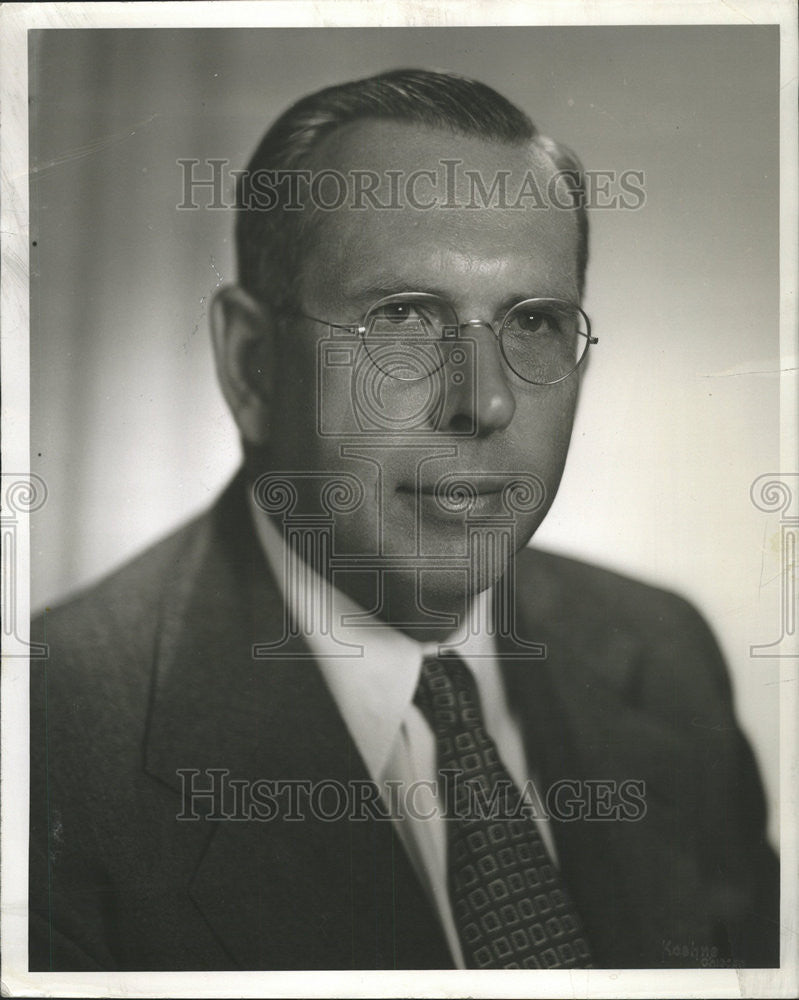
x=455, y=209
x=384, y=145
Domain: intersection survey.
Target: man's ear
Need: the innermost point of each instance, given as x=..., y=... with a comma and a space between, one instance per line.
x=243, y=336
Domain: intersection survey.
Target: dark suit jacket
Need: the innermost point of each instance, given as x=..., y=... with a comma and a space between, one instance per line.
x=151, y=672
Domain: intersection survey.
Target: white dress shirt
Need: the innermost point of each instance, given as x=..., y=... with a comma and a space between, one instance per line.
x=374, y=694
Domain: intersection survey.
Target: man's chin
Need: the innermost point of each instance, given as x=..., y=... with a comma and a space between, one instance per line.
x=447, y=591
x=428, y=605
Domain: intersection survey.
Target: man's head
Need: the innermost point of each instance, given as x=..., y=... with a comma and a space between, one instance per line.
x=466, y=202
x=268, y=243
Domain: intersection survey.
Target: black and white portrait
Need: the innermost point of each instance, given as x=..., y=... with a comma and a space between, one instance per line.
x=410, y=524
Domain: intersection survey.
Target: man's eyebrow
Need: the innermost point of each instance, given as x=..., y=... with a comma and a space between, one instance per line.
x=368, y=293
x=371, y=291
x=510, y=301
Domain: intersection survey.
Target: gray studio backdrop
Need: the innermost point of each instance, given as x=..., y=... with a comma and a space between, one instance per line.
x=679, y=412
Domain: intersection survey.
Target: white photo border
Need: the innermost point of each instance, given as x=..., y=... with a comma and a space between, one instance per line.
x=15, y=21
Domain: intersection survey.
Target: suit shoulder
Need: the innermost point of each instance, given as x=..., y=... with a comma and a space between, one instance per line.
x=599, y=603
x=566, y=579
x=93, y=684
x=127, y=598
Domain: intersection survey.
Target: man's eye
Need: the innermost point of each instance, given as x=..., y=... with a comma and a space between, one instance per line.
x=536, y=321
x=398, y=312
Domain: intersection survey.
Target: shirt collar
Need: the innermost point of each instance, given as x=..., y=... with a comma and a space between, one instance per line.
x=371, y=669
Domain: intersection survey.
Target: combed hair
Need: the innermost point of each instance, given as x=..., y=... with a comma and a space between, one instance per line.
x=267, y=242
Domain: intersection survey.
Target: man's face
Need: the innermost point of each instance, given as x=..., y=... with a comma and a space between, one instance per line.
x=487, y=425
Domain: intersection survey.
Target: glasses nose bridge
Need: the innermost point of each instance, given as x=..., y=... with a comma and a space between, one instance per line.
x=477, y=324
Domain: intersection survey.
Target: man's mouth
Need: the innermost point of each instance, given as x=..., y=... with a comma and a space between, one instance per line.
x=479, y=483
x=456, y=497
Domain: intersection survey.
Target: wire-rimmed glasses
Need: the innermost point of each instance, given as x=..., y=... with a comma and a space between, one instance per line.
x=543, y=340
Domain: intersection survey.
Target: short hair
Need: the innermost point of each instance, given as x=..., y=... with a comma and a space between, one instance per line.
x=268, y=244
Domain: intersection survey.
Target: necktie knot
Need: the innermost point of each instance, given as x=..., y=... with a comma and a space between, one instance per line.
x=447, y=695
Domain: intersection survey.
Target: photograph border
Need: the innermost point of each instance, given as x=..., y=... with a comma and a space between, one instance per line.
x=15, y=21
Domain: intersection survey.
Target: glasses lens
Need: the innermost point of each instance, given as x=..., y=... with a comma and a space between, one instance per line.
x=405, y=335
x=544, y=340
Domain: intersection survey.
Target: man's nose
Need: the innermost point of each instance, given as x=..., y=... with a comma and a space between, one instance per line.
x=479, y=399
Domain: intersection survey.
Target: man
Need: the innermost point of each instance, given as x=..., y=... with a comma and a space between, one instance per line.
x=538, y=760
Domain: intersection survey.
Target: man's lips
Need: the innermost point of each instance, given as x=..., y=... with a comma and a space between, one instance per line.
x=480, y=487
x=454, y=499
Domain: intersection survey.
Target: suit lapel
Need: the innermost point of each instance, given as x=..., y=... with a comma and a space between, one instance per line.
x=277, y=893
x=583, y=727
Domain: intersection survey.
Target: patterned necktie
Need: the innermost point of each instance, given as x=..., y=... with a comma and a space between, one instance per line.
x=510, y=907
